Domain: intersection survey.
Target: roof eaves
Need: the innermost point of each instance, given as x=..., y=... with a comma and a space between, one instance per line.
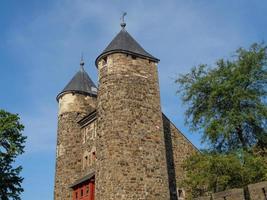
x=91, y=94
x=83, y=179
x=154, y=59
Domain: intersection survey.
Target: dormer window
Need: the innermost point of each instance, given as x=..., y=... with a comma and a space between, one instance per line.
x=94, y=89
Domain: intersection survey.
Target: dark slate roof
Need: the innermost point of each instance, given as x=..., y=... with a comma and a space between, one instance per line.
x=80, y=83
x=83, y=179
x=124, y=42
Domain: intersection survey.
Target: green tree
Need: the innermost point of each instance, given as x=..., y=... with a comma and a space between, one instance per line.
x=214, y=172
x=228, y=101
x=11, y=145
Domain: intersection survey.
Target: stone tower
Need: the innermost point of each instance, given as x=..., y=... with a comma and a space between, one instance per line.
x=131, y=159
x=76, y=100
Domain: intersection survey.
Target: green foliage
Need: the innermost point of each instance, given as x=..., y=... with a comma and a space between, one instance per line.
x=213, y=172
x=11, y=145
x=228, y=101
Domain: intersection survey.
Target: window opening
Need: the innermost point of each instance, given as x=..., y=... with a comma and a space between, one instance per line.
x=81, y=192
x=104, y=61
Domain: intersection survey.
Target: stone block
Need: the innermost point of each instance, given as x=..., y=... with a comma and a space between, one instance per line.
x=258, y=191
x=233, y=194
x=203, y=198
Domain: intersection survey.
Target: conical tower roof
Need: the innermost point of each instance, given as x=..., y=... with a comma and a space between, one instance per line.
x=80, y=83
x=125, y=43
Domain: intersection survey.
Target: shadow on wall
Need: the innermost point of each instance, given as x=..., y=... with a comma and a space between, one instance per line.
x=257, y=191
x=170, y=159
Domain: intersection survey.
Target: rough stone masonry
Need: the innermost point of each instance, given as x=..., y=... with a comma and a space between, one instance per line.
x=116, y=136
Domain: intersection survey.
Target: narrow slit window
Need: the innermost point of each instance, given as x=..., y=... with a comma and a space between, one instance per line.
x=87, y=190
x=104, y=60
x=81, y=192
x=93, y=156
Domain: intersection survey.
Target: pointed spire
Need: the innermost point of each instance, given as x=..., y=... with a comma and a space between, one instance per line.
x=125, y=43
x=80, y=83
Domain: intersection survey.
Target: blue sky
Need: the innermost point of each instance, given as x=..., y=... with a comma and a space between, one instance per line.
x=41, y=44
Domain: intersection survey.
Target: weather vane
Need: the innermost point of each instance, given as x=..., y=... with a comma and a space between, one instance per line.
x=123, y=24
x=82, y=61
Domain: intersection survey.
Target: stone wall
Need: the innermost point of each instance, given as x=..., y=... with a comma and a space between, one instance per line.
x=72, y=107
x=131, y=162
x=88, y=148
x=178, y=149
x=233, y=194
x=203, y=198
x=74, y=102
x=68, y=163
x=255, y=191
x=258, y=191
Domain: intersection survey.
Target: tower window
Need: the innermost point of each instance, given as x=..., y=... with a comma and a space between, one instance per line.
x=104, y=60
x=86, y=159
x=134, y=57
x=93, y=156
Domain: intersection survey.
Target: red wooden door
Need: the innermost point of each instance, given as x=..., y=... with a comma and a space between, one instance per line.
x=84, y=191
x=92, y=190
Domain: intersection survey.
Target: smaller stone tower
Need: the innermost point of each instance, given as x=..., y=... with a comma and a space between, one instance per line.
x=76, y=100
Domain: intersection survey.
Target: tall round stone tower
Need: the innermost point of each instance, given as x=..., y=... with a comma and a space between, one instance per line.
x=131, y=162
x=76, y=100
